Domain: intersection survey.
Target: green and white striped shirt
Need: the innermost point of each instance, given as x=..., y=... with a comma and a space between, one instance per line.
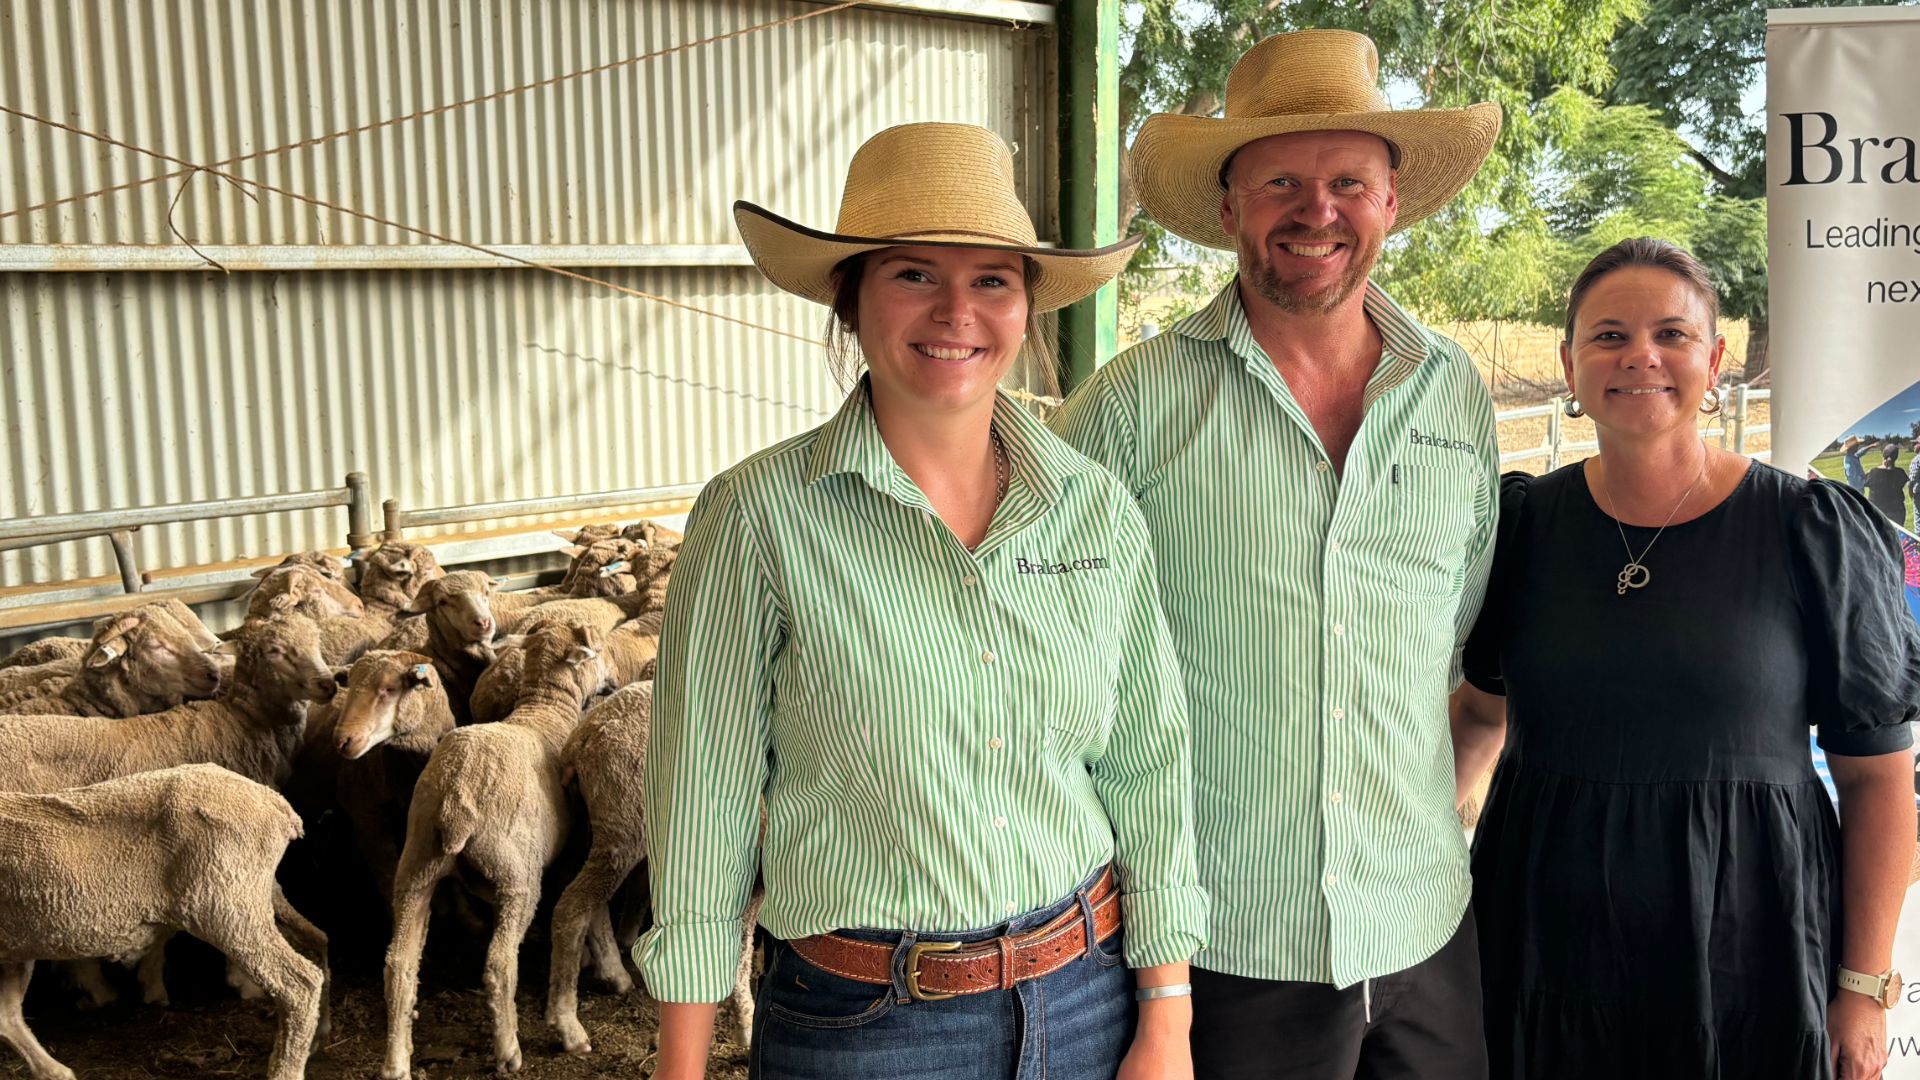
x=1318, y=618
x=943, y=737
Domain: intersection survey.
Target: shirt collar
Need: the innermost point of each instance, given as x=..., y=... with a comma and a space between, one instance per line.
x=1225, y=319
x=851, y=443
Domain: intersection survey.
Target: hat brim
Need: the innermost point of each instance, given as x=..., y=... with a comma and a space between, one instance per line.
x=801, y=260
x=1176, y=160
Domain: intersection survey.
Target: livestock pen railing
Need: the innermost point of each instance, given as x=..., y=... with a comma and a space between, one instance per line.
x=117, y=526
x=1733, y=430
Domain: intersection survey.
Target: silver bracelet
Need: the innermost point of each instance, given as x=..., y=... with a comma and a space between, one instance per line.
x=1149, y=993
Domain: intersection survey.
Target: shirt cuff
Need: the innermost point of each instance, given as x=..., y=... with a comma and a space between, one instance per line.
x=690, y=962
x=1868, y=742
x=1164, y=926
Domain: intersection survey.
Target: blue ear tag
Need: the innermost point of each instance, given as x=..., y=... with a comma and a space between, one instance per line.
x=420, y=672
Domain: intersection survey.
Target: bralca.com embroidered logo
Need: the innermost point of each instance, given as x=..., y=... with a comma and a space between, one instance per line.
x=1440, y=442
x=1069, y=566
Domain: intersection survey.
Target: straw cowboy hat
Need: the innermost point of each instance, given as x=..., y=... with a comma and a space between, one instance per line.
x=1308, y=80
x=941, y=185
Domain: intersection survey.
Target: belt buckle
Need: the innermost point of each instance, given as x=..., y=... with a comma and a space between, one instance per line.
x=914, y=953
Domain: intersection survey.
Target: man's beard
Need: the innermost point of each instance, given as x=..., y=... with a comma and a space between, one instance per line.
x=1305, y=297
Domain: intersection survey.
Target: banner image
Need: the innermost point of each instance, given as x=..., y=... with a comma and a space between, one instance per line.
x=1843, y=211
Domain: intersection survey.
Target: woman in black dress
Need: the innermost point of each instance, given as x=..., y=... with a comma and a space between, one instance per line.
x=1662, y=889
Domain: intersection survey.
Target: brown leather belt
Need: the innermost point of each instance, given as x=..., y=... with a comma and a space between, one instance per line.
x=944, y=969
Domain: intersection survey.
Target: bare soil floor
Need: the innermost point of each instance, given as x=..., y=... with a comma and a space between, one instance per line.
x=209, y=1033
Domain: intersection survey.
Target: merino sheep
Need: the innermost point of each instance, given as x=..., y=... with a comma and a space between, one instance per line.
x=109, y=869
x=49, y=659
x=601, y=569
x=492, y=801
x=631, y=647
x=253, y=727
x=142, y=661
x=332, y=566
x=606, y=755
x=456, y=633
x=301, y=589
x=45, y=651
x=390, y=576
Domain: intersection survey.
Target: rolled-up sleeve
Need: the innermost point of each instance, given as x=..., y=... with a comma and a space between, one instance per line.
x=707, y=752
x=1145, y=778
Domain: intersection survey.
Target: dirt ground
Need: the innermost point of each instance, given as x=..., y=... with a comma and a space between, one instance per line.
x=209, y=1034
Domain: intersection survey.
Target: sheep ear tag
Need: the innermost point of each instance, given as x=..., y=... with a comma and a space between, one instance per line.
x=420, y=675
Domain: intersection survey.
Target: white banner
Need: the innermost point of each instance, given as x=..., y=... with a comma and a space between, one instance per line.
x=1843, y=268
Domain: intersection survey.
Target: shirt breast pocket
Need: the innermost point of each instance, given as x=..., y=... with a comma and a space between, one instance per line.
x=1428, y=525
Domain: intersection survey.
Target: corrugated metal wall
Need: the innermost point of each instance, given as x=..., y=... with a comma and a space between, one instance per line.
x=446, y=386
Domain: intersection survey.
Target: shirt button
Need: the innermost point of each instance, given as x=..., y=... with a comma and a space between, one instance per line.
x=1000, y=822
x=1333, y=879
x=1012, y=907
x=995, y=743
x=987, y=657
x=1333, y=547
x=1335, y=796
x=1321, y=466
x=1339, y=629
x=969, y=581
x=1339, y=714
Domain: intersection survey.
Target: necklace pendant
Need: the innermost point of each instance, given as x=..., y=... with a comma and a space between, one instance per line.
x=1632, y=576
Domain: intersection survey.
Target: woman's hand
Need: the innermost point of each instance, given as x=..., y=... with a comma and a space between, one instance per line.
x=1857, y=1027
x=1160, y=1049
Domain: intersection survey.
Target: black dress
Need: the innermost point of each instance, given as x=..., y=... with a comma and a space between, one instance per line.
x=1656, y=876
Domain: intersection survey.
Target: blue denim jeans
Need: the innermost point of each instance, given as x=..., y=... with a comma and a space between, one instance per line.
x=1074, y=1024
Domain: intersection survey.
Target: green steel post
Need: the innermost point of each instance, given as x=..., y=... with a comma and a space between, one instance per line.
x=1089, y=172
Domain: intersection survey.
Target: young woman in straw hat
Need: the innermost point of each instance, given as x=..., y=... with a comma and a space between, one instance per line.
x=926, y=634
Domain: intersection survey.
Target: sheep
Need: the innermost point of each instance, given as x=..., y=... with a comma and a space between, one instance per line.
x=253, y=727
x=140, y=662
x=631, y=647
x=301, y=589
x=330, y=565
x=390, y=575
x=600, y=569
x=606, y=756
x=456, y=633
x=365, y=750
x=45, y=651
x=59, y=657
x=108, y=869
x=491, y=799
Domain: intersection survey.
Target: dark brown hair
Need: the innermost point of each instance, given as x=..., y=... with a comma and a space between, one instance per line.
x=843, y=342
x=1652, y=252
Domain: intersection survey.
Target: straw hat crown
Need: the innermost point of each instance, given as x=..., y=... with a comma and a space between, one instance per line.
x=934, y=182
x=1307, y=80
x=924, y=184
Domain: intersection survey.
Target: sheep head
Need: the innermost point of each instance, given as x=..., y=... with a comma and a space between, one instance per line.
x=320, y=562
x=385, y=694
x=151, y=655
x=392, y=573
x=460, y=605
x=302, y=590
x=280, y=658
x=575, y=656
x=605, y=568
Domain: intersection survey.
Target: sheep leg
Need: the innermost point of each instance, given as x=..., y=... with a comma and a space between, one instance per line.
x=603, y=953
x=743, y=975
x=412, y=900
x=583, y=898
x=92, y=981
x=291, y=981
x=311, y=942
x=512, y=915
x=153, y=972
x=13, y=1024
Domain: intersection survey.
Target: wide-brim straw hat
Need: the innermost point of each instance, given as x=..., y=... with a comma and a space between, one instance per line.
x=1307, y=80
x=937, y=185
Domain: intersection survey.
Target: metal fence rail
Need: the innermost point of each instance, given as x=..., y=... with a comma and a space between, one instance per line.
x=1733, y=431
x=399, y=520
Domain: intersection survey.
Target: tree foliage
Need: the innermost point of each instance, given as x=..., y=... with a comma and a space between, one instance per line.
x=1622, y=118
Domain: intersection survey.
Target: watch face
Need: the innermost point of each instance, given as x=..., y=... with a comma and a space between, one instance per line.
x=1891, y=995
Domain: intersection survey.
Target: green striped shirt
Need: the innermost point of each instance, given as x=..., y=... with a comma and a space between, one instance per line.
x=943, y=737
x=1319, y=619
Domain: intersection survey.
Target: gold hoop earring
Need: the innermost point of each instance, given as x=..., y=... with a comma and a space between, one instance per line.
x=1710, y=405
x=1572, y=409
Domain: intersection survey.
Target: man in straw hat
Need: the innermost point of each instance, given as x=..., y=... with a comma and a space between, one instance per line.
x=1318, y=471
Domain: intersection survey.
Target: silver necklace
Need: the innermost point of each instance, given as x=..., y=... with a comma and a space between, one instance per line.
x=1635, y=574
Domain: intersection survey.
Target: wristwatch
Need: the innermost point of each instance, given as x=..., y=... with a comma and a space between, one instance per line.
x=1883, y=988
